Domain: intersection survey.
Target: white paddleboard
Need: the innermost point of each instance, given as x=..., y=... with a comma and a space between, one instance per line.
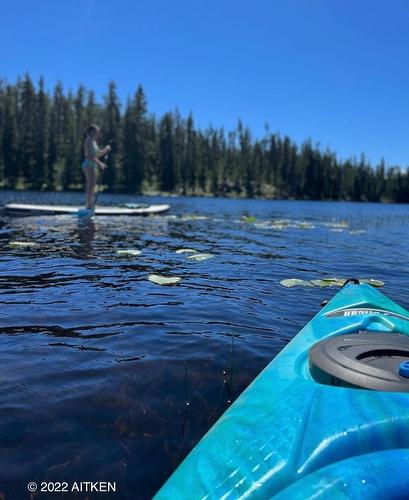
x=25, y=209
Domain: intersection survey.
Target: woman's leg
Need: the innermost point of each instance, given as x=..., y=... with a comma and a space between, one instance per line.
x=85, y=170
x=93, y=182
x=90, y=177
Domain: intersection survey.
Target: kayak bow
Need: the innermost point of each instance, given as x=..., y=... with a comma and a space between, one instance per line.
x=327, y=418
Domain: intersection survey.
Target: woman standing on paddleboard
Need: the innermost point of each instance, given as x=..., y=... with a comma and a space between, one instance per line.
x=92, y=162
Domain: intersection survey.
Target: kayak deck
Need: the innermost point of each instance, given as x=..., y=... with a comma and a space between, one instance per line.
x=27, y=209
x=291, y=437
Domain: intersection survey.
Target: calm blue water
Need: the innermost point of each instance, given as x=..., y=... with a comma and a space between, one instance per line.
x=105, y=376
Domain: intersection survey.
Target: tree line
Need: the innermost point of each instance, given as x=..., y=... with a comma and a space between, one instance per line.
x=41, y=134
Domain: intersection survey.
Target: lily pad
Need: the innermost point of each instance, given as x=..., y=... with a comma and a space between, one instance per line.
x=324, y=282
x=336, y=281
x=270, y=225
x=250, y=219
x=289, y=283
x=193, y=217
x=186, y=250
x=23, y=244
x=164, y=280
x=129, y=251
x=201, y=256
x=337, y=225
x=357, y=231
x=329, y=282
x=263, y=225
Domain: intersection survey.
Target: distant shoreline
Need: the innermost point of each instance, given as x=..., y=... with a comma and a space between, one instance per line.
x=154, y=193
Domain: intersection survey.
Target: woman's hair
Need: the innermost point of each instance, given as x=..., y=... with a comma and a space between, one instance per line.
x=92, y=128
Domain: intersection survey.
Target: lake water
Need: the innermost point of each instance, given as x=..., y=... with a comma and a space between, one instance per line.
x=105, y=376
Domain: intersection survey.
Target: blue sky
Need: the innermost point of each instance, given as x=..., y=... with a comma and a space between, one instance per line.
x=335, y=71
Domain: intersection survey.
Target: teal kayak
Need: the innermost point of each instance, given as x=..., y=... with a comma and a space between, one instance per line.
x=327, y=418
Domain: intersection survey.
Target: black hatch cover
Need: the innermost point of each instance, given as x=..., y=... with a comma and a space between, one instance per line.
x=363, y=360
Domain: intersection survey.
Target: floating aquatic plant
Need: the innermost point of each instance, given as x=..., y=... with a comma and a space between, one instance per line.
x=200, y=256
x=289, y=283
x=280, y=224
x=23, y=244
x=250, y=219
x=357, y=231
x=325, y=282
x=186, y=250
x=193, y=217
x=129, y=251
x=337, y=225
x=329, y=282
x=263, y=225
x=269, y=225
x=164, y=280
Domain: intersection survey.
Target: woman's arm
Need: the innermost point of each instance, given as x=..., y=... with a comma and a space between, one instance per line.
x=92, y=153
x=104, y=151
x=96, y=160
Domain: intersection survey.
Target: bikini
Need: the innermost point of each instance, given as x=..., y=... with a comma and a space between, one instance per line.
x=94, y=152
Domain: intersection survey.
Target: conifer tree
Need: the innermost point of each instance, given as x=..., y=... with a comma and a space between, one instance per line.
x=134, y=136
x=10, y=136
x=166, y=151
x=26, y=119
x=113, y=176
x=56, y=138
x=41, y=135
x=70, y=145
x=190, y=158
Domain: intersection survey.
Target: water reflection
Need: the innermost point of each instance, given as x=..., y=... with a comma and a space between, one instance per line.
x=85, y=235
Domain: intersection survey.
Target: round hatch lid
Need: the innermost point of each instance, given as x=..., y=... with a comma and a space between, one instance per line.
x=364, y=360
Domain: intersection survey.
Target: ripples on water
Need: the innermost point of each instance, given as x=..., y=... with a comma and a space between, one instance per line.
x=108, y=377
